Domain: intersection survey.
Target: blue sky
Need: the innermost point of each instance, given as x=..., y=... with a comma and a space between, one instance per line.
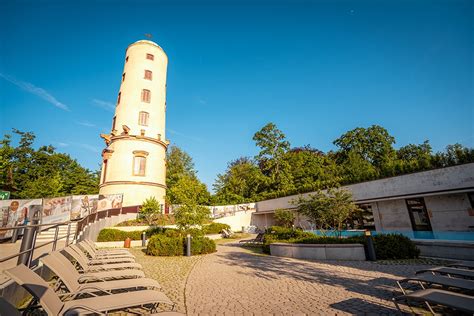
x=315, y=68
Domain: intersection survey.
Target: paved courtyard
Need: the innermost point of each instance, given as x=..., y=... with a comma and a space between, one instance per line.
x=236, y=281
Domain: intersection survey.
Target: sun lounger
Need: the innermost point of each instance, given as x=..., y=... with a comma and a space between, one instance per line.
x=86, y=265
x=7, y=309
x=69, y=276
x=444, y=281
x=95, y=254
x=462, y=264
x=51, y=303
x=464, y=273
x=109, y=259
x=431, y=297
x=257, y=240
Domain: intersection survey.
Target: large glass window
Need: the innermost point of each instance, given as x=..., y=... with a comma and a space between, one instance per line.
x=419, y=217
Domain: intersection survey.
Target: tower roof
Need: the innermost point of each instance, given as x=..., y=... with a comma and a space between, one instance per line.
x=147, y=42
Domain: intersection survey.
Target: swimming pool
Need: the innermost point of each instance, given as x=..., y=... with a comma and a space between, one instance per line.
x=458, y=236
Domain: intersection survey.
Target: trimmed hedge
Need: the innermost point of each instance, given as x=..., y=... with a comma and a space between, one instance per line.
x=387, y=246
x=174, y=244
x=111, y=234
x=214, y=228
x=162, y=245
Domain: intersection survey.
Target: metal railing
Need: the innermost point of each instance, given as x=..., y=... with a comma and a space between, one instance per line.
x=28, y=241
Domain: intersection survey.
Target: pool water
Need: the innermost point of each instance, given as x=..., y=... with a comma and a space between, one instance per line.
x=459, y=236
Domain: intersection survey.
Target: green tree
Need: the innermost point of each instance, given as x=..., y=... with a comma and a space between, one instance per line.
x=327, y=210
x=373, y=144
x=273, y=147
x=454, y=155
x=188, y=194
x=42, y=172
x=311, y=169
x=284, y=218
x=179, y=165
x=151, y=210
x=241, y=182
x=414, y=157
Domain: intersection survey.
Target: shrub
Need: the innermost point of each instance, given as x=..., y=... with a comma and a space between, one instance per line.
x=394, y=246
x=282, y=233
x=162, y=245
x=202, y=245
x=110, y=234
x=173, y=243
x=214, y=228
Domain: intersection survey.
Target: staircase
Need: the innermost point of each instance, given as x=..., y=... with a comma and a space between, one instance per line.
x=48, y=235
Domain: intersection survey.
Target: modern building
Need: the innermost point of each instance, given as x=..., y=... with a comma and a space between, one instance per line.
x=134, y=158
x=436, y=202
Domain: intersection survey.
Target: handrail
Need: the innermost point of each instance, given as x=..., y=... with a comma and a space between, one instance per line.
x=37, y=225
x=33, y=229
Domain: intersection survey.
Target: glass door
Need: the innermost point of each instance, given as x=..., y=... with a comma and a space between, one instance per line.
x=420, y=220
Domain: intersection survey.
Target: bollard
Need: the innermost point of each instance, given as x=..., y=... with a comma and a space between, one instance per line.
x=143, y=239
x=243, y=229
x=126, y=243
x=370, y=247
x=188, y=245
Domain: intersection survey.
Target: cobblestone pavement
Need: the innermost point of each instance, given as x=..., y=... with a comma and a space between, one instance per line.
x=235, y=281
x=170, y=272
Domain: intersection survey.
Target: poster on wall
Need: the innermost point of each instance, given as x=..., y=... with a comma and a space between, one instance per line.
x=109, y=201
x=83, y=205
x=229, y=210
x=56, y=210
x=17, y=213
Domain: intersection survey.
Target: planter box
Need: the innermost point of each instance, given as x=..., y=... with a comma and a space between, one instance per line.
x=319, y=251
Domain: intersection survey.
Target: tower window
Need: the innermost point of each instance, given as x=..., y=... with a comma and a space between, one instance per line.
x=148, y=74
x=139, y=162
x=150, y=57
x=113, y=122
x=143, y=118
x=119, y=96
x=123, y=77
x=126, y=59
x=104, y=176
x=146, y=95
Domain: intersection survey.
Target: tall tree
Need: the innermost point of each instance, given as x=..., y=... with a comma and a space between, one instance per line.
x=373, y=144
x=273, y=147
x=414, y=157
x=241, y=182
x=179, y=165
x=31, y=173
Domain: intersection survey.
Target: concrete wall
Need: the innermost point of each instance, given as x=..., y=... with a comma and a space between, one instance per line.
x=237, y=221
x=92, y=230
x=449, y=212
x=319, y=252
x=444, y=179
x=392, y=215
x=445, y=249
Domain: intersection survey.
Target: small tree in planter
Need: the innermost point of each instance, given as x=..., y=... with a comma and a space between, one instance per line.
x=328, y=211
x=150, y=210
x=284, y=218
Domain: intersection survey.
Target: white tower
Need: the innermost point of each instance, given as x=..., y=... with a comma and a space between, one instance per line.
x=134, y=159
